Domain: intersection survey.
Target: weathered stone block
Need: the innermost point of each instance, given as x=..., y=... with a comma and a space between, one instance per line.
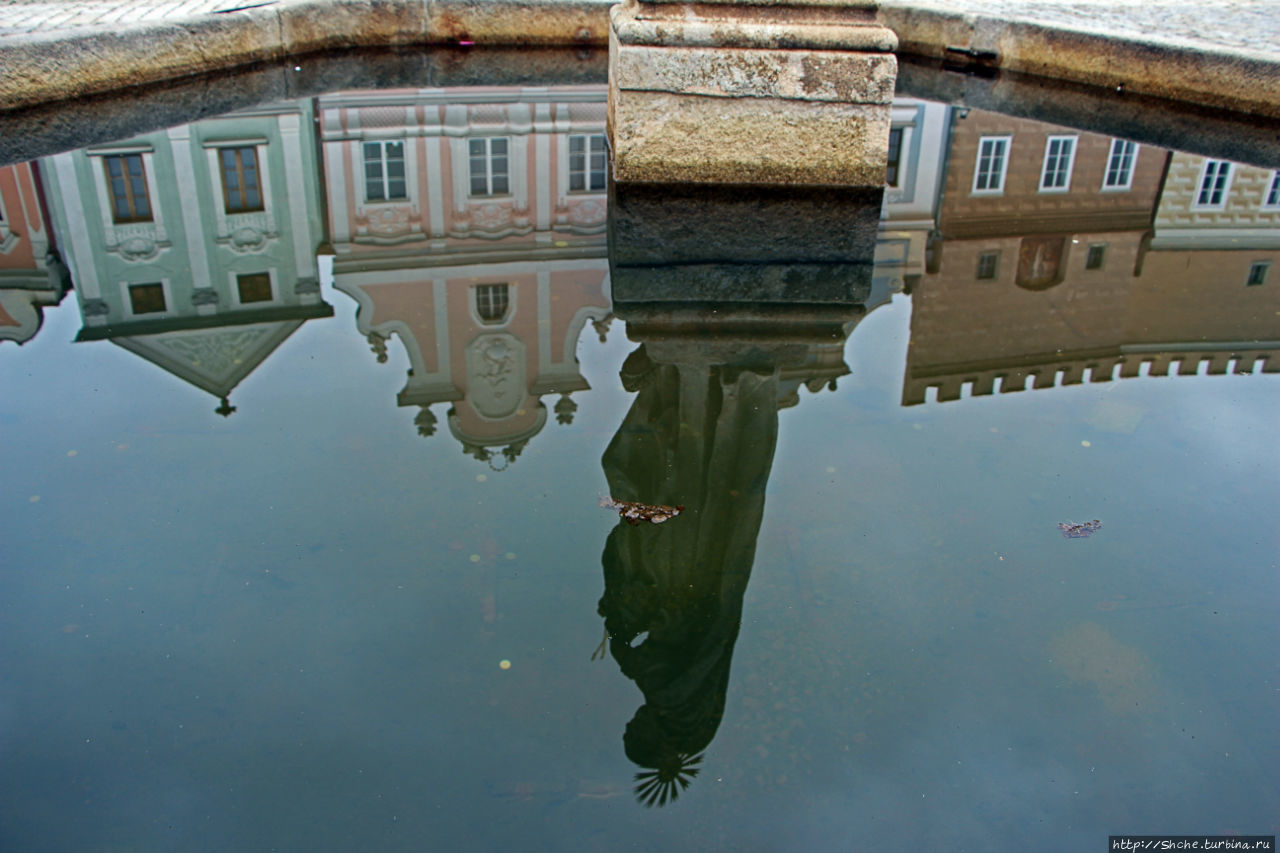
x=665, y=137
x=774, y=93
x=809, y=75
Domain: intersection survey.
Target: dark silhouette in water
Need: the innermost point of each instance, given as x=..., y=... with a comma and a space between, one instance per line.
x=701, y=435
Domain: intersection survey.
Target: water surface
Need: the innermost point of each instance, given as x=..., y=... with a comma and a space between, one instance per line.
x=379, y=606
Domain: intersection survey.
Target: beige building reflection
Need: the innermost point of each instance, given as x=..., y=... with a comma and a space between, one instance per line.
x=470, y=224
x=1064, y=256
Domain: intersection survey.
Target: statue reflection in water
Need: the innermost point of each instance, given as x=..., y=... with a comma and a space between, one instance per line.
x=737, y=295
x=700, y=435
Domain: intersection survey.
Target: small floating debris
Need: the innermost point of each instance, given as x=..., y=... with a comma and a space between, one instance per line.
x=633, y=513
x=1083, y=530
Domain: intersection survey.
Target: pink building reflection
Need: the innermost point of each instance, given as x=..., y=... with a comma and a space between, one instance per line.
x=31, y=275
x=470, y=224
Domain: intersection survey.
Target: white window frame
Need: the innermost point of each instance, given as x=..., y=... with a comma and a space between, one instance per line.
x=1271, y=195
x=1217, y=168
x=220, y=175
x=112, y=231
x=1071, y=140
x=382, y=144
x=1006, y=143
x=587, y=172
x=488, y=166
x=228, y=222
x=1127, y=173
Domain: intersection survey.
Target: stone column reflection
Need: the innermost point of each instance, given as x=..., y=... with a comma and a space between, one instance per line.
x=725, y=337
x=701, y=435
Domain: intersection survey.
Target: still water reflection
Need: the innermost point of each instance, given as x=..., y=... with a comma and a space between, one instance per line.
x=326, y=622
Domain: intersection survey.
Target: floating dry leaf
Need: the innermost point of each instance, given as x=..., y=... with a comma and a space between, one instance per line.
x=634, y=513
x=1082, y=530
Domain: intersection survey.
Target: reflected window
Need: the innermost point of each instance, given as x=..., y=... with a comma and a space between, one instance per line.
x=587, y=162
x=489, y=166
x=988, y=265
x=241, y=179
x=895, y=157
x=1120, y=165
x=127, y=183
x=384, y=174
x=1097, y=253
x=1215, y=180
x=147, y=298
x=254, y=287
x=993, y=160
x=1059, y=157
x=1273, y=191
x=492, y=302
x=1258, y=273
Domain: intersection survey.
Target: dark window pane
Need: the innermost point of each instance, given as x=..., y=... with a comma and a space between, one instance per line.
x=492, y=302
x=254, y=287
x=146, y=298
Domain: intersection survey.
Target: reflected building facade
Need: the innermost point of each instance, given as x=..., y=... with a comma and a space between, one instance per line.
x=1064, y=256
x=913, y=190
x=1208, y=278
x=470, y=224
x=195, y=247
x=32, y=276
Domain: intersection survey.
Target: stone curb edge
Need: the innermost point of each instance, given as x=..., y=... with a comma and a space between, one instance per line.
x=78, y=62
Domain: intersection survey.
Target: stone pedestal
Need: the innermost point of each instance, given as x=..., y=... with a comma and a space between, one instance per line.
x=766, y=93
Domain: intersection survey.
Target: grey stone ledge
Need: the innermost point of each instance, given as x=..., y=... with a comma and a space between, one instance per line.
x=1160, y=55
x=711, y=34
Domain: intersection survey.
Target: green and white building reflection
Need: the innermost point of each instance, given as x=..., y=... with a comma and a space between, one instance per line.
x=195, y=247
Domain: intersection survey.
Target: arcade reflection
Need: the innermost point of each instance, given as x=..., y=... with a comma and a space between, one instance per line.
x=473, y=229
